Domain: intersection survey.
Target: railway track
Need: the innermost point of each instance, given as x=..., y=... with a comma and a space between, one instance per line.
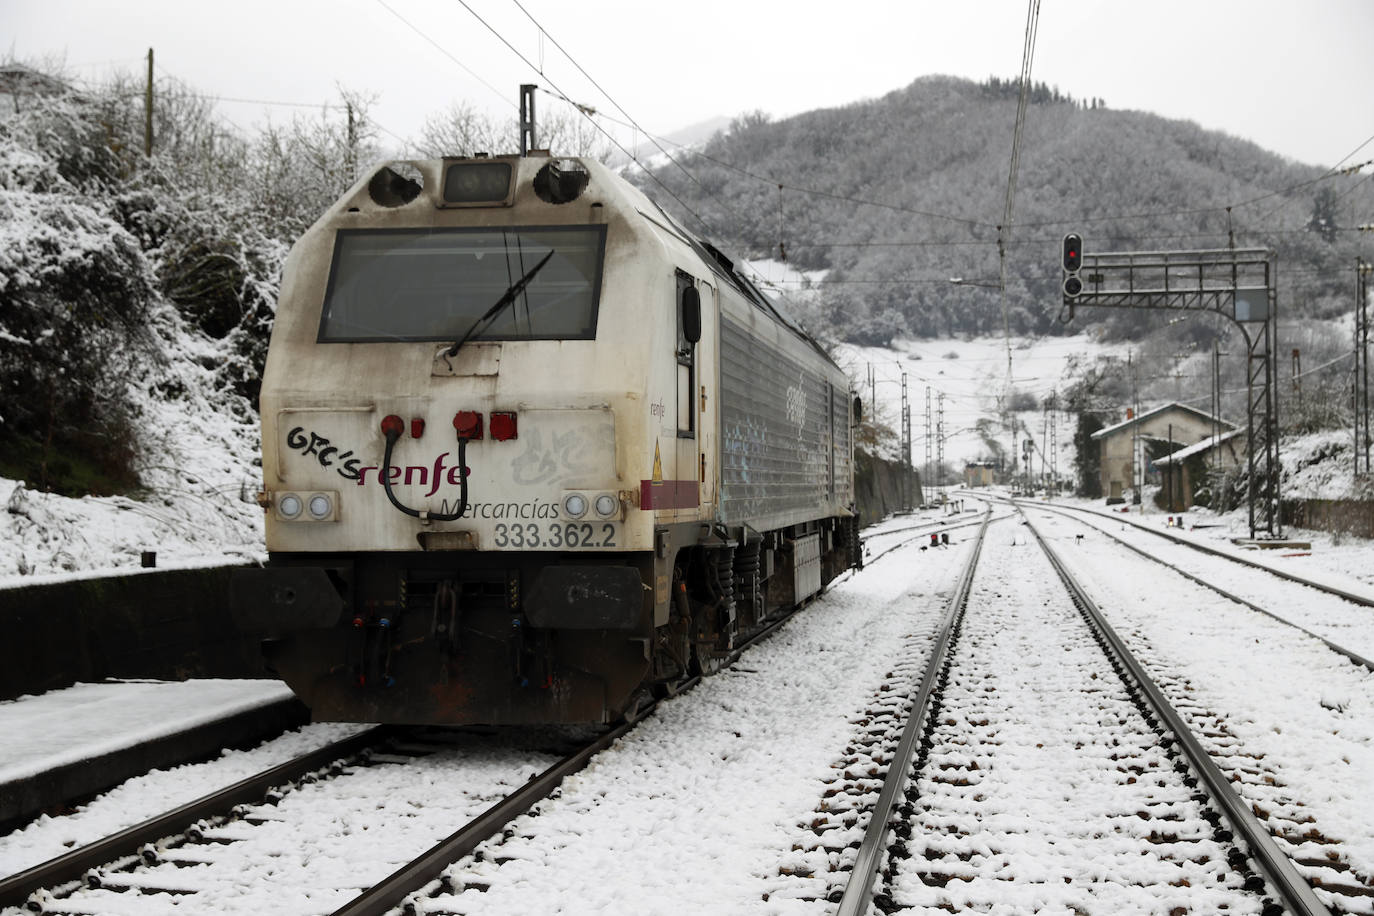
x=1026, y=730
x=1336, y=614
x=1275, y=707
x=223, y=849
x=194, y=851
x=1101, y=518
x=1022, y=685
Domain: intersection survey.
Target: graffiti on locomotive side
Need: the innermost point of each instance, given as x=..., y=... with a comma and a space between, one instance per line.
x=569, y=454
x=796, y=403
x=328, y=455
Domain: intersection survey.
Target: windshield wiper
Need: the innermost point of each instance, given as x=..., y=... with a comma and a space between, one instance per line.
x=506, y=299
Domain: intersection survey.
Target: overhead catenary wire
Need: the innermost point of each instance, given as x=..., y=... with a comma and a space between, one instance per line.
x=444, y=51
x=669, y=191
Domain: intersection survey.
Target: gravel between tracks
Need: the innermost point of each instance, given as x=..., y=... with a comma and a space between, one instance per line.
x=694, y=810
x=1046, y=789
x=1253, y=688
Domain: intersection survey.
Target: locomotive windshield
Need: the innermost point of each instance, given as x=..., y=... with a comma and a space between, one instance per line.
x=432, y=284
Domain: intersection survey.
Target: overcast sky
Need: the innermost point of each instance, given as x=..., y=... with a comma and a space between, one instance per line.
x=1292, y=75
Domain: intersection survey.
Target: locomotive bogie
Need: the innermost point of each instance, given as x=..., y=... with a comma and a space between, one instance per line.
x=637, y=461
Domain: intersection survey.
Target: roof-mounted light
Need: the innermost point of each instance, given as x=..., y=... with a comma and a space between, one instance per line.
x=478, y=183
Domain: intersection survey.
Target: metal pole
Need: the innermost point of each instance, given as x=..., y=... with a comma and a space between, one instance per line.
x=940, y=445
x=148, y=110
x=930, y=434
x=1271, y=353
x=1216, y=407
x=1170, y=492
x=527, y=140
x=1054, y=448
x=1137, y=471
x=906, y=446
x=1361, y=383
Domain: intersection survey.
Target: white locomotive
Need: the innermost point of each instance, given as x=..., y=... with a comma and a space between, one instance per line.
x=531, y=450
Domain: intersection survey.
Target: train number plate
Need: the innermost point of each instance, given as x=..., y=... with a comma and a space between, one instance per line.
x=555, y=535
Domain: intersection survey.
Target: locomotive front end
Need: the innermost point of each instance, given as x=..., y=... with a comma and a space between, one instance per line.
x=450, y=410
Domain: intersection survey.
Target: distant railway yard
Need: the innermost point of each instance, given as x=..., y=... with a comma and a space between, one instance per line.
x=1020, y=707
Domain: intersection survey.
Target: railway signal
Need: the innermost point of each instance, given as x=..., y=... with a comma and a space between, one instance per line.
x=1073, y=262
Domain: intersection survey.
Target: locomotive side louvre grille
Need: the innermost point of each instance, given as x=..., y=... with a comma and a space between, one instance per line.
x=843, y=454
x=775, y=432
x=806, y=566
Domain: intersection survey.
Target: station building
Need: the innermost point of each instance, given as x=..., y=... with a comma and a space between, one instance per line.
x=1155, y=434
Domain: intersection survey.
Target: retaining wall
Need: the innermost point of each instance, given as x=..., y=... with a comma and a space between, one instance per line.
x=163, y=624
x=1347, y=516
x=879, y=488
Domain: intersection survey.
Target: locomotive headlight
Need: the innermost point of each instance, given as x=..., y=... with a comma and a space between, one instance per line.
x=317, y=506
x=607, y=505
x=575, y=504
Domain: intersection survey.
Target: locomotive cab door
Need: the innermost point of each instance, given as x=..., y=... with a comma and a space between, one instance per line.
x=696, y=331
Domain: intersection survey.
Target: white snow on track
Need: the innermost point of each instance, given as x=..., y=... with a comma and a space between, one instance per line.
x=1046, y=790
x=694, y=811
x=1285, y=697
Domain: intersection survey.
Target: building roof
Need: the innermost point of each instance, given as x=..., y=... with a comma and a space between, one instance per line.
x=1207, y=444
x=1108, y=430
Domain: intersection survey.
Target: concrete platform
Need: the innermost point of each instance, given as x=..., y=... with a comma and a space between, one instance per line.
x=65, y=745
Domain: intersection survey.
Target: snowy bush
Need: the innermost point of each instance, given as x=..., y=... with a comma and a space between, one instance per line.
x=74, y=295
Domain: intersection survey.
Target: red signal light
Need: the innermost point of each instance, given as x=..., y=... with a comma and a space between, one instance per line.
x=1073, y=252
x=503, y=425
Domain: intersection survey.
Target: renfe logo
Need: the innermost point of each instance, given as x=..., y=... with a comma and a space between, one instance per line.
x=412, y=471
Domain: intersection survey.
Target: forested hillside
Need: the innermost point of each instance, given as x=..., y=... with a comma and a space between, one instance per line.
x=138, y=286
x=897, y=195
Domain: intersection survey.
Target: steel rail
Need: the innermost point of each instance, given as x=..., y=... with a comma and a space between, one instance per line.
x=1278, y=869
x=70, y=866
x=858, y=892
x=392, y=891
x=1354, y=656
x=1204, y=548
x=384, y=896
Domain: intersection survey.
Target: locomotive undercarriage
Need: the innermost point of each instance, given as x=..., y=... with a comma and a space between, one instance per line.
x=730, y=585
x=504, y=638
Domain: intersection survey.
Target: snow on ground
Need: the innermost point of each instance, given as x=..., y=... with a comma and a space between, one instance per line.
x=1287, y=699
x=1027, y=798
x=1322, y=466
x=694, y=810
x=155, y=793
x=1341, y=560
x=45, y=537
x=87, y=720
x=200, y=481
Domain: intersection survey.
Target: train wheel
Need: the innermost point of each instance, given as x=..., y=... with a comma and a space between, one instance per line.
x=639, y=704
x=705, y=660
